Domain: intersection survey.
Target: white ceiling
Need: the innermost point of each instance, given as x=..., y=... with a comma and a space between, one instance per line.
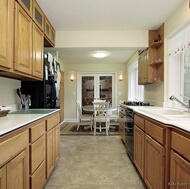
x=78, y=15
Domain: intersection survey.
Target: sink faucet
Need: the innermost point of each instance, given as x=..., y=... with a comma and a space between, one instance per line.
x=174, y=98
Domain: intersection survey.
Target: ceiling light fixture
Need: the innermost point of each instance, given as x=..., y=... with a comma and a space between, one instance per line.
x=100, y=54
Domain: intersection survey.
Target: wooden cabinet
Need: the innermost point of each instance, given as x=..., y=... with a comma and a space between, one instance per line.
x=149, y=147
x=6, y=37
x=14, y=169
x=53, y=143
x=17, y=171
x=143, y=67
x=62, y=96
x=27, y=5
x=154, y=163
x=37, y=155
x=49, y=32
x=23, y=41
x=38, y=46
x=139, y=150
x=151, y=65
x=180, y=160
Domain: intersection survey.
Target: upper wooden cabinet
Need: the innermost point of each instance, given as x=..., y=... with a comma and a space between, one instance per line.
x=27, y=5
x=6, y=37
x=38, y=44
x=49, y=34
x=38, y=16
x=151, y=67
x=23, y=41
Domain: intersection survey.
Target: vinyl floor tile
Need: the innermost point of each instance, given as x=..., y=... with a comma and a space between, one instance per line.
x=93, y=162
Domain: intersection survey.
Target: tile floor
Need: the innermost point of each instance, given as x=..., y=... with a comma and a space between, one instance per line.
x=93, y=162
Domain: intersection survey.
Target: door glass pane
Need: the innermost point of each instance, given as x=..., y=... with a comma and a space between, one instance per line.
x=38, y=16
x=26, y=3
x=87, y=90
x=106, y=88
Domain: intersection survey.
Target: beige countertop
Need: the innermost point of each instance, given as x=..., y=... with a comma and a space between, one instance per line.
x=12, y=122
x=181, y=123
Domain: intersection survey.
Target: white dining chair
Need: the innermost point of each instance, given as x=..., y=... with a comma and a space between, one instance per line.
x=83, y=119
x=101, y=116
x=113, y=115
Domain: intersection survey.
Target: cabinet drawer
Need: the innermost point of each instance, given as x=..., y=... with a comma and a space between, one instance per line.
x=13, y=146
x=139, y=122
x=181, y=144
x=38, y=178
x=154, y=131
x=37, y=153
x=37, y=131
x=122, y=120
x=53, y=121
x=122, y=111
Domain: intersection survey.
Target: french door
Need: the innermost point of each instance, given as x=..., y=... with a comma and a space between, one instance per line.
x=96, y=86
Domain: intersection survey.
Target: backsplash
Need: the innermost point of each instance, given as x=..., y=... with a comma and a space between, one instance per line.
x=8, y=95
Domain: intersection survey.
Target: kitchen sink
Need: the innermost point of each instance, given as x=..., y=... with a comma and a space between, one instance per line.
x=33, y=111
x=169, y=114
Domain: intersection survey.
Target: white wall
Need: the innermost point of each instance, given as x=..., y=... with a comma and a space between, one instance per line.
x=8, y=95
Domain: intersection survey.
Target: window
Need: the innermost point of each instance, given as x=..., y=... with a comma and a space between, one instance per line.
x=179, y=66
x=135, y=91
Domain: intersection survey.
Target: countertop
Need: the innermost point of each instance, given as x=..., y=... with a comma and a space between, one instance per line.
x=180, y=124
x=18, y=119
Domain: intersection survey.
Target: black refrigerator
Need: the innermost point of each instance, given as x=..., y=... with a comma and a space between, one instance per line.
x=45, y=94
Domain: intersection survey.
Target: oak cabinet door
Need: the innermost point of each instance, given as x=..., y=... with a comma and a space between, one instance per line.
x=139, y=150
x=27, y=6
x=17, y=172
x=50, y=152
x=154, y=164
x=23, y=41
x=179, y=172
x=3, y=177
x=38, y=45
x=57, y=143
x=6, y=34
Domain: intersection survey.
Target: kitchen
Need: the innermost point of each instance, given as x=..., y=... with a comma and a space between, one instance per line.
x=153, y=93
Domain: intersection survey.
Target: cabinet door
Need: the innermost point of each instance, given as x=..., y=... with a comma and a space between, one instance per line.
x=179, y=172
x=50, y=152
x=57, y=143
x=23, y=41
x=154, y=164
x=17, y=172
x=6, y=37
x=3, y=178
x=62, y=96
x=38, y=46
x=139, y=150
x=27, y=6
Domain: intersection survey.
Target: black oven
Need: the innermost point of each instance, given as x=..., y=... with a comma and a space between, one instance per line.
x=129, y=126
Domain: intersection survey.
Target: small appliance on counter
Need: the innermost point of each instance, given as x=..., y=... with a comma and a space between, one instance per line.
x=45, y=94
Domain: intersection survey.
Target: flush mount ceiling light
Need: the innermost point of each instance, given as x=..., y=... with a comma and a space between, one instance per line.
x=100, y=54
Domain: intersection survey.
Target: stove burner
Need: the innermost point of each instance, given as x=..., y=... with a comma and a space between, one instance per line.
x=136, y=103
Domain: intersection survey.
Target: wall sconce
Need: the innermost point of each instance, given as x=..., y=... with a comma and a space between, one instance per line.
x=72, y=77
x=120, y=78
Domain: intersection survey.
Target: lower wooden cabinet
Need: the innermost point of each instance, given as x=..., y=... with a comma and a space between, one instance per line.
x=139, y=150
x=179, y=172
x=17, y=171
x=3, y=177
x=154, y=164
x=52, y=148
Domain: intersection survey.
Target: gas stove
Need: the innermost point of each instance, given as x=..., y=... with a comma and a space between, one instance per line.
x=136, y=103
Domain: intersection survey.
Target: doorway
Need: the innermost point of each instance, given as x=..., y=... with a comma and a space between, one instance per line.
x=92, y=86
